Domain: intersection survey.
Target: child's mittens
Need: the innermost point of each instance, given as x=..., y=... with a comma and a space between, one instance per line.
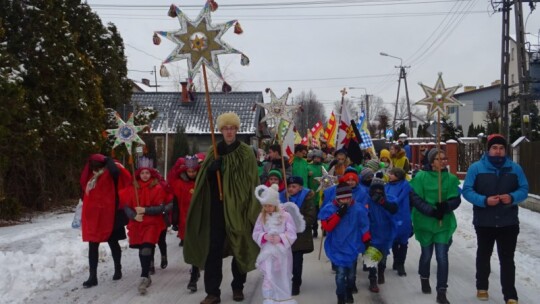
x=342, y=210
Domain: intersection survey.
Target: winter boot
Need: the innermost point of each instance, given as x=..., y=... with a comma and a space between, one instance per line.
x=380, y=273
x=152, y=268
x=425, y=285
x=117, y=272
x=195, y=274
x=164, y=262
x=143, y=285
x=349, y=298
x=341, y=300
x=92, y=279
x=373, y=287
x=441, y=297
x=401, y=270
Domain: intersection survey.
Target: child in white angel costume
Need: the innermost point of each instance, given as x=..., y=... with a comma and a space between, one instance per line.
x=275, y=232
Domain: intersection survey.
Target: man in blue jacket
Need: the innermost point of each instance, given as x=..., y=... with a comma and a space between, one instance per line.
x=495, y=185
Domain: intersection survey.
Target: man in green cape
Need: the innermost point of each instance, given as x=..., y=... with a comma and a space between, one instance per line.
x=218, y=228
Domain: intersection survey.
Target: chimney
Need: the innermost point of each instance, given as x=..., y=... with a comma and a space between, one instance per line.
x=185, y=92
x=469, y=88
x=146, y=82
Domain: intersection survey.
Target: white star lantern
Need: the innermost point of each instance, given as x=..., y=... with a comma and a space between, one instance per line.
x=277, y=109
x=439, y=98
x=126, y=133
x=326, y=180
x=199, y=41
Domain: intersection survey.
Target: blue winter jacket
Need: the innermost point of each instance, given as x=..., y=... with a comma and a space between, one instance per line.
x=344, y=243
x=401, y=190
x=483, y=180
x=381, y=224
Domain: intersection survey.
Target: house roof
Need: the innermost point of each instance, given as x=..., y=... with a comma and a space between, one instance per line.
x=193, y=115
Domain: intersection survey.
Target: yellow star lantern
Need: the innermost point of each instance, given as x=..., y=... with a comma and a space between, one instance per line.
x=126, y=133
x=199, y=41
x=439, y=98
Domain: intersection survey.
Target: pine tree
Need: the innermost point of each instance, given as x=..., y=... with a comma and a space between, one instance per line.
x=71, y=68
x=400, y=129
x=515, y=123
x=180, y=146
x=471, y=132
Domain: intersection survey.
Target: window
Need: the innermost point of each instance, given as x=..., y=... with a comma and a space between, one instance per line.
x=512, y=78
x=490, y=106
x=414, y=124
x=512, y=54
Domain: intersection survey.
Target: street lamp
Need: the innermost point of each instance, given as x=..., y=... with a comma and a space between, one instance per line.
x=385, y=54
x=366, y=99
x=402, y=75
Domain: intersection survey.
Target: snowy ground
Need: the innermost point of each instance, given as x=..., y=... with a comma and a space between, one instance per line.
x=46, y=262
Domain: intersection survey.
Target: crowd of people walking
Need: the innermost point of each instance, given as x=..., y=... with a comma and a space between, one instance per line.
x=265, y=214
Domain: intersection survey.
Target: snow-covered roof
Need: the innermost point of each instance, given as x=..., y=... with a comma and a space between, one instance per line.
x=519, y=141
x=193, y=115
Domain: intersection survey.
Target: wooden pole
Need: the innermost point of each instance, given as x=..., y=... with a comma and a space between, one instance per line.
x=134, y=180
x=211, y=119
x=438, y=149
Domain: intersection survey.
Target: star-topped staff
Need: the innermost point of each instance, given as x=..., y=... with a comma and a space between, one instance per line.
x=438, y=99
x=126, y=134
x=279, y=112
x=199, y=41
x=325, y=181
x=278, y=109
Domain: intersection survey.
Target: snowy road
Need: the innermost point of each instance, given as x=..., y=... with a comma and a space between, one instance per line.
x=46, y=262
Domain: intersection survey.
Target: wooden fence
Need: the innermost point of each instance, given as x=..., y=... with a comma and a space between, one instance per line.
x=530, y=162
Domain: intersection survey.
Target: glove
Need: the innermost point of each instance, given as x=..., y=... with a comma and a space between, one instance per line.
x=379, y=174
x=342, y=210
x=444, y=206
x=378, y=198
x=438, y=212
x=215, y=165
x=366, y=239
x=174, y=227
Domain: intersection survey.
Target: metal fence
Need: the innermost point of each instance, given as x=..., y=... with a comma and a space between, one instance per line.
x=530, y=162
x=469, y=151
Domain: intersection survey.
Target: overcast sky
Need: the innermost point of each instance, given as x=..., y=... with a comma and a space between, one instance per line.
x=325, y=46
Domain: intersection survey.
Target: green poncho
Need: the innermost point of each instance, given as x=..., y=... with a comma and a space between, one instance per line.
x=239, y=179
x=427, y=229
x=300, y=168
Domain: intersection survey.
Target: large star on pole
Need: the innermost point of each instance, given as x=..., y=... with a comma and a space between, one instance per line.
x=326, y=180
x=439, y=98
x=277, y=109
x=199, y=41
x=126, y=133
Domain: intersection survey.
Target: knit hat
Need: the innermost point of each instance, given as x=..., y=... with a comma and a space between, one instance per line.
x=397, y=172
x=192, y=162
x=295, y=180
x=376, y=183
x=317, y=153
x=373, y=164
x=228, y=119
x=275, y=173
x=366, y=174
x=432, y=154
x=496, y=139
x=268, y=195
x=348, y=176
x=343, y=191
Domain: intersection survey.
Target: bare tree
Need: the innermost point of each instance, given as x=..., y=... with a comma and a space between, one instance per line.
x=311, y=112
x=383, y=118
x=492, y=119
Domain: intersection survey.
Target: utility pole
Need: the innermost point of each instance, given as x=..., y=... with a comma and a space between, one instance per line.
x=524, y=94
x=402, y=75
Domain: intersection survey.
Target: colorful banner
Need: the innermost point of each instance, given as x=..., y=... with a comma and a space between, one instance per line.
x=331, y=130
